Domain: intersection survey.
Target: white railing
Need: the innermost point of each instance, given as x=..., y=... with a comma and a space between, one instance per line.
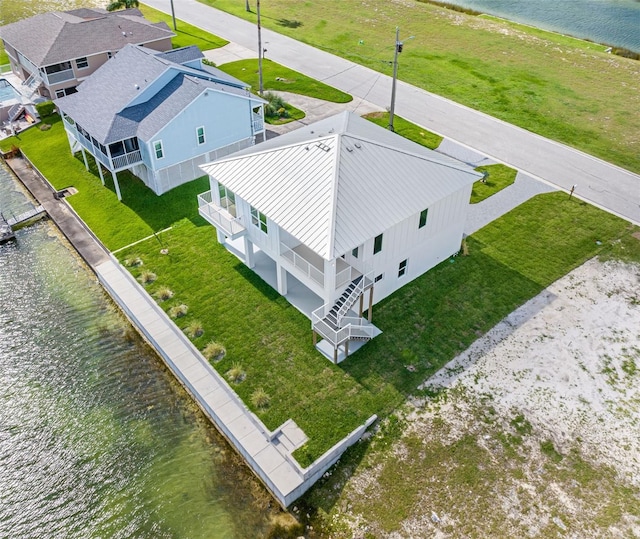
x=93, y=150
x=355, y=328
x=360, y=287
x=127, y=159
x=302, y=264
x=59, y=76
x=219, y=217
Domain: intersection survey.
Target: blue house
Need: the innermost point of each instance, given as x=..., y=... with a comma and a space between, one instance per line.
x=160, y=115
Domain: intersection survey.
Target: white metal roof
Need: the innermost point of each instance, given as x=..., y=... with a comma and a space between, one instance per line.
x=336, y=188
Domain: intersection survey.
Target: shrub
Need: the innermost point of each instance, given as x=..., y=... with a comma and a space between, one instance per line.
x=164, y=293
x=214, y=351
x=236, y=373
x=45, y=108
x=178, y=311
x=275, y=105
x=260, y=399
x=133, y=262
x=194, y=330
x=147, y=277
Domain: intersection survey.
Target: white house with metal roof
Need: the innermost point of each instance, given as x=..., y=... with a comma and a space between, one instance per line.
x=351, y=210
x=53, y=52
x=160, y=115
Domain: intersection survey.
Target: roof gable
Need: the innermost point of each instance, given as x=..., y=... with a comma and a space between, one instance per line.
x=54, y=37
x=138, y=92
x=335, y=191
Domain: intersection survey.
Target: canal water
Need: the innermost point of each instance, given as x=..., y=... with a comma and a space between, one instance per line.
x=612, y=22
x=97, y=439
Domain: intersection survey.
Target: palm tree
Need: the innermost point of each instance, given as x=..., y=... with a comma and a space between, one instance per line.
x=122, y=4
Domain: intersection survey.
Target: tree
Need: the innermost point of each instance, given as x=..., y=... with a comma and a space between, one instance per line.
x=122, y=4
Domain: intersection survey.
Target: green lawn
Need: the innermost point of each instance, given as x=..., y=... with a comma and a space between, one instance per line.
x=186, y=34
x=424, y=324
x=406, y=129
x=562, y=88
x=279, y=78
x=497, y=178
x=117, y=224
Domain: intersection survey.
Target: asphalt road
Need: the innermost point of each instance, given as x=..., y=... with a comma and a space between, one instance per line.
x=603, y=184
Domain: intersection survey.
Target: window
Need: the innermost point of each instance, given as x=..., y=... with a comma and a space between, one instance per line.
x=59, y=93
x=200, y=135
x=354, y=252
x=377, y=244
x=157, y=147
x=82, y=63
x=378, y=278
x=259, y=219
x=227, y=199
x=109, y=55
x=402, y=268
x=423, y=218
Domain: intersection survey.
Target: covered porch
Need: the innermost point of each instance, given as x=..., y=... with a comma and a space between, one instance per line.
x=302, y=298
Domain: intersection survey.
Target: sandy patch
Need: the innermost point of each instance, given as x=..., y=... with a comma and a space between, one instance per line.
x=535, y=433
x=569, y=360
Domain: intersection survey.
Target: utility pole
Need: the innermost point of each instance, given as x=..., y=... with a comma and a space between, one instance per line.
x=259, y=51
x=173, y=16
x=398, y=50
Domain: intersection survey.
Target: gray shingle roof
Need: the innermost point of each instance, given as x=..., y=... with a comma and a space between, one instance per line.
x=120, y=100
x=55, y=37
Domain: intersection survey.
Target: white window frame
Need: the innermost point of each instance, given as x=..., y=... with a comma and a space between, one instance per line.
x=378, y=278
x=376, y=251
x=424, y=212
x=85, y=62
x=60, y=93
x=204, y=138
x=259, y=220
x=155, y=144
x=403, y=267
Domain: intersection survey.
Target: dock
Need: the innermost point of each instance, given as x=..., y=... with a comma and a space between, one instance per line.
x=25, y=217
x=6, y=232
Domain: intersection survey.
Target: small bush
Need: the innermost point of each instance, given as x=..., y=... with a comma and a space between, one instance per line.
x=236, y=374
x=147, y=277
x=260, y=399
x=178, y=311
x=133, y=262
x=164, y=293
x=194, y=330
x=214, y=351
x=275, y=106
x=45, y=108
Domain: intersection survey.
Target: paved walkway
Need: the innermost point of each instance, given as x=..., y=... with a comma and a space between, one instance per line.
x=598, y=182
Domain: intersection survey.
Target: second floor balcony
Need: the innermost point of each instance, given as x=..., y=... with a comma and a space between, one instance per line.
x=229, y=225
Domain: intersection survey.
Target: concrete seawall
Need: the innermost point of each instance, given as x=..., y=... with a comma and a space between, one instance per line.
x=267, y=453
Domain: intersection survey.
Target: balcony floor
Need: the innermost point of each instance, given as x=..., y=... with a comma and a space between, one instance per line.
x=298, y=294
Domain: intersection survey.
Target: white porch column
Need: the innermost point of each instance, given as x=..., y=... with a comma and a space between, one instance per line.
x=221, y=237
x=100, y=171
x=248, y=252
x=115, y=182
x=281, y=275
x=84, y=157
x=329, y=283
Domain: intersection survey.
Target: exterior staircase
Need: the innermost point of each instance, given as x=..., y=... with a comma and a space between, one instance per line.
x=345, y=302
x=15, y=111
x=33, y=82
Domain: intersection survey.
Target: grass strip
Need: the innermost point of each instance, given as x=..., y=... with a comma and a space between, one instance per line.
x=280, y=78
x=186, y=34
x=497, y=177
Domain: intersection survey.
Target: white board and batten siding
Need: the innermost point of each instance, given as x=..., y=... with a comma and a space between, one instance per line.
x=422, y=248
